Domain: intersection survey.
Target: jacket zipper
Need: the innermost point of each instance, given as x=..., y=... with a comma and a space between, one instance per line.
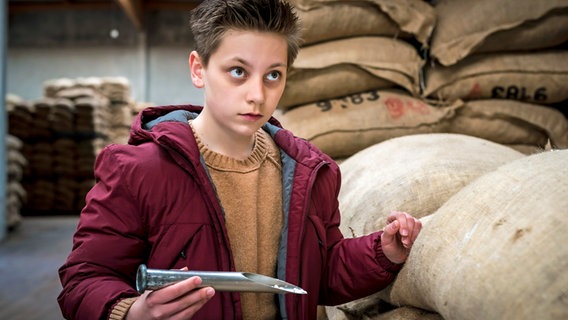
x=310, y=185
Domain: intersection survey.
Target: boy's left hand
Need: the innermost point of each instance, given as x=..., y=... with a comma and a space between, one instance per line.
x=399, y=235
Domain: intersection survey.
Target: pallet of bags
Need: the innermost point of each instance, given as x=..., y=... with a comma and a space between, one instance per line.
x=463, y=29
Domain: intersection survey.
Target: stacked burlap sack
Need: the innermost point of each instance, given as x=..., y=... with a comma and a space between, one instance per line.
x=351, y=89
x=117, y=89
x=19, y=113
x=493, y=219
x=103, y=105
x=63, y=132
x=510, y=50
x=355, y=46
x=16, y=195
x=341, y=127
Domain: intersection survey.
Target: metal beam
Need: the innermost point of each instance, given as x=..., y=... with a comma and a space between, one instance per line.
x=133, y=9
x=16, y=7
x=30, y=6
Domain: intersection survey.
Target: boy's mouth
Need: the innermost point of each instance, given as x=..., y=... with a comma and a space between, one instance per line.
x=251, y=116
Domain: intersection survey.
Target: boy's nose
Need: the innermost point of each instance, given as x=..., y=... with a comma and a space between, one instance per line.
x=255, y=93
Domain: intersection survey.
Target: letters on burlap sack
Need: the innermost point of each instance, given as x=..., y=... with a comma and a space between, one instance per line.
x=342, y=127
x=538, y=77
x=329, y=20
x=414, y=173
x=342, y=67
x=489, y=26
x=493, y=250
x=512, y=122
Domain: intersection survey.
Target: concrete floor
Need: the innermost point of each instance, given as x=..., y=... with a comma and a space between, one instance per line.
x=29, y=258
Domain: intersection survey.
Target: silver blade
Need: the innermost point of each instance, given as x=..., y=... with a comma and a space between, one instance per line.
x=153, y=279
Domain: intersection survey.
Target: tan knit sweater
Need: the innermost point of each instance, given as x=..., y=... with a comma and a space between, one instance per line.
x=250, y=192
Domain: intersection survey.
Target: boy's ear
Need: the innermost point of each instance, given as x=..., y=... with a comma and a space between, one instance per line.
x=196, y=69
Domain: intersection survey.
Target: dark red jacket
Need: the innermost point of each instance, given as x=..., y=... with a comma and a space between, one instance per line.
x=154, y=203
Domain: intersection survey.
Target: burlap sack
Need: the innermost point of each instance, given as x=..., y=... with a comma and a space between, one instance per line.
x=52, y=86
x=343, y=20
x=13, y=142
x=537, y=77
x=342, y=127
x=415, y=173
x=463, y=29
x=120, y=115
x=415, y=17
x=494, y=250
x=342, y=67
x=116, y=89
x=406, y=313
x=512, y=122
x=360, y=309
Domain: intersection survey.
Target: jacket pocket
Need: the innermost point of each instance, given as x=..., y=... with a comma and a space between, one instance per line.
x=189, y=245
x=316, y=237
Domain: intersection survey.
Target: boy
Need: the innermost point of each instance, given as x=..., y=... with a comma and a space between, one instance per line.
x=224, y=188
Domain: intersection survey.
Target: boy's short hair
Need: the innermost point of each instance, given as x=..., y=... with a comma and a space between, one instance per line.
x=212, y=18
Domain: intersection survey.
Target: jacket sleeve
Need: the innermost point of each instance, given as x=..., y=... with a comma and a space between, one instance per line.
x=356, y=267
x=108, y=244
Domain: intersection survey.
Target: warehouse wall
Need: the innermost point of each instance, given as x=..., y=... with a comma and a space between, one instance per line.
x=61, y=44
x=162, y=77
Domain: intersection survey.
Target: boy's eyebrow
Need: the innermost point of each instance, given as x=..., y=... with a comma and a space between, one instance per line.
x=274, y=65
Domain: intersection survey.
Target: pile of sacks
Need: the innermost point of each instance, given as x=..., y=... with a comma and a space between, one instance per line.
x=15, y=193
x=451, y=117
x=63, y=132
x=374, y=69
x=493, y=221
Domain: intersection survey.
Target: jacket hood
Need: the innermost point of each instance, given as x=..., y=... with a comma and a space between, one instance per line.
x=141, y=129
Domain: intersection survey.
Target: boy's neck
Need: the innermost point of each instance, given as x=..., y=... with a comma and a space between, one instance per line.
x=223, y=142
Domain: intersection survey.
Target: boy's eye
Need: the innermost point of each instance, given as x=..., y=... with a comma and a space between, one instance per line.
x=273, y=76
x=237, y=72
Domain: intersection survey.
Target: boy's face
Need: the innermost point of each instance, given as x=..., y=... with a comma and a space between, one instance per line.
x=243, y=81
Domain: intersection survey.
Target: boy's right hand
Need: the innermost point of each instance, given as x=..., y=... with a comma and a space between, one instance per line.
x=177, y=301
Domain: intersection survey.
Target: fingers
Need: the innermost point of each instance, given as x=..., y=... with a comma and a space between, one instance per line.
x=406, y=225
x=180, y=300
x=194, y=302
x=175, y=291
